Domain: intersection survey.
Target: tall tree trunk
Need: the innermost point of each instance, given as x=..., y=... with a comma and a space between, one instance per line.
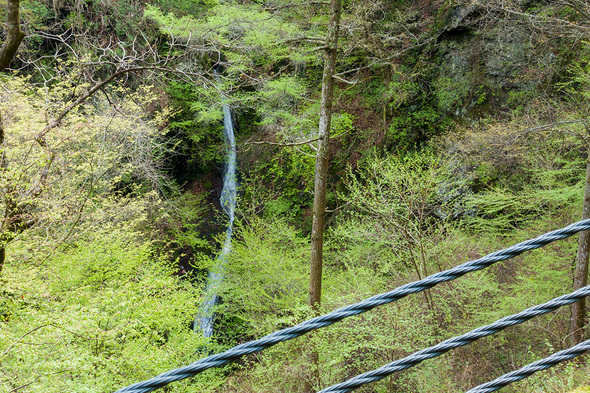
x=321, y=161
x=321, y=182
x=14, y=35
x=2, y=256
x=3, y=164
x=581, y=273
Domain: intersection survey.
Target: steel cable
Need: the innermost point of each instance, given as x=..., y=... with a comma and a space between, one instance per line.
x=456, y=342
x=532, y=368
x=351, y=310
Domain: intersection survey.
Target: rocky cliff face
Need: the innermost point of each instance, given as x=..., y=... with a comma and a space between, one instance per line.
x=495, y=53
x=484, y=61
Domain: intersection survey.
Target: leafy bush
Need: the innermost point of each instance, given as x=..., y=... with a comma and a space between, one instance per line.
x=103, y=313
x=266, y=284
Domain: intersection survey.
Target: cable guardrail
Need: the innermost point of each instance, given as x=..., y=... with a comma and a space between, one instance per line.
x=269, y=340
x=456, y=342
x=532, y=368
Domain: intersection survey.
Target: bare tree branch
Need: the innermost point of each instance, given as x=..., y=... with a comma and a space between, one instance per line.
x=345, y=81
x=23, y=336
x=306, y=39
x=284, y=144
x=308, y=3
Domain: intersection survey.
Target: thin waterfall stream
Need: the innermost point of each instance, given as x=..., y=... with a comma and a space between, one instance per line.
x=204, y=318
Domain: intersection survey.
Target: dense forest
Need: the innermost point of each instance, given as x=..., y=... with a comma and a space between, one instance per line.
x=377, y=142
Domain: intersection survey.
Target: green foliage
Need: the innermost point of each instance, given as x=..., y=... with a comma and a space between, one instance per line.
x=342, y=123
x=184, y=7
x=280, y=186
x=578, y=81
x=516, y=182
x=35, y=13
x=75, y=21
x=501, y=209
x=560, y=379
x=421, y=103
x=402, y=89
x=416, y=126
x=451, y=94
x=99, y=149
x=104, y=313
x=195, y=130
x=420, y=111
x=283, y=92
x=519, y=100
x=185, y=221
x=407, y=182
x=403, y=194
x=251, y=35
x=281, y=207
x=280, y=101
x=266, y=282
x=261, y=67
x=105, y=309
x=101, y=17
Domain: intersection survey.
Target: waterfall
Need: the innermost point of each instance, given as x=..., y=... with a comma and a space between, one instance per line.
x=204, y=318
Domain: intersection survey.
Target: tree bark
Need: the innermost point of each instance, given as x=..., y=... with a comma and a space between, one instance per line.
x=14, y=34
x=3, y=165
x=321, y=182
x=581, y=273
x=321, y=162
x=14, y=37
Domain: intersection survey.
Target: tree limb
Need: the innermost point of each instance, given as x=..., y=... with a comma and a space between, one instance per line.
x=306, y=39
x=345, y=81
x=278, y=8
x=40, y=138
x=284, y=144
x=23, y=336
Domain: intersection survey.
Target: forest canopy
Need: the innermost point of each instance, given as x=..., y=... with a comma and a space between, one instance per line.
x=377, y=143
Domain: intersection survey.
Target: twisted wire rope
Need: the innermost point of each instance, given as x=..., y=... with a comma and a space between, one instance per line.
x=274, y=338
x=456, y=342
x=532, y=368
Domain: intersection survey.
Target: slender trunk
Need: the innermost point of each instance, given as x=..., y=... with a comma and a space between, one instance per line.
x=14, y=35
x=321, y=182
x=321, y=162
x=3, y=165
x=2, y=256
x=581, y=273
x=420, y=276
x=427, y=293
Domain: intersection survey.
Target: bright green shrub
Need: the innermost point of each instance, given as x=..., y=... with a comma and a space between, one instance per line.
x=104, y=313
x=266, y=282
